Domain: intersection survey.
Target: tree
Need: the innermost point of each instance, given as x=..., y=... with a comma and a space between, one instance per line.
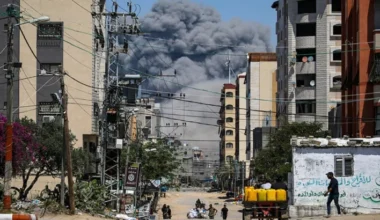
x=81, y=160
x=37, y=151
x=223, y=173
x=276, y=159
x=158, y=159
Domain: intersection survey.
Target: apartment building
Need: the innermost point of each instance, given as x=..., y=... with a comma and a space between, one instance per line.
x=227, y=122
x=361, y=68
x=65, y=40
x=308, y=60
x=261, y=88
x=241, y=119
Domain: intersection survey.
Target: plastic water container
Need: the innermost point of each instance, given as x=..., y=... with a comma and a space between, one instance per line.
x=281, y=195
x=262, y=195
x=252, y=195
x=271, y=195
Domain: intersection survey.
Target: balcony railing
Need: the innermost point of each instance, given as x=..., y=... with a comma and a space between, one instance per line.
x=305, y=68
x=305, y=93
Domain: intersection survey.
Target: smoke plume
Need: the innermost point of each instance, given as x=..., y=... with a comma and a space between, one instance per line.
x=191, y=40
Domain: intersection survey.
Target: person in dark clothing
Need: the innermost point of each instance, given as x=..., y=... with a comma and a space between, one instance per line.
x=279, y=184
x=164, y=211
x=333, y=193
x=224, y=212
x=169, y=213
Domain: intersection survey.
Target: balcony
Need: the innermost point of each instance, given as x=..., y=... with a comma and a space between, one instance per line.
x=305, y=42
x=306, y=18
x=305, y=68
x=305, y=93
x=305, y=118
x=376, y=39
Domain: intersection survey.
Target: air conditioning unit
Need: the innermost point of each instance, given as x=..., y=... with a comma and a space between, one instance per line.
x=47, y=119
x=119, y=143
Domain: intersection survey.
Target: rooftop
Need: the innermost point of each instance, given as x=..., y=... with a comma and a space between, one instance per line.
x=334, y=142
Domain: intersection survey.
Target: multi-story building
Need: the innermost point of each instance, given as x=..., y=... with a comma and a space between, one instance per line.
x=227, y=122
x=308, y=59
x=56, y=42
x=361, y=67
x=261, y=88
x=241, y=119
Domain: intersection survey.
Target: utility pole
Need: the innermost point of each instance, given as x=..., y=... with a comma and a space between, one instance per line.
x=63, y=148
x=9, y=128
x=229, y=69
x=67, y=144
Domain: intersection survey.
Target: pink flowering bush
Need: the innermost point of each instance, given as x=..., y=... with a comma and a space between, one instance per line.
x=36, y=150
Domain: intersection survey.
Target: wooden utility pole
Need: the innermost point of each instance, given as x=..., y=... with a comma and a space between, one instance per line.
x=67, y=144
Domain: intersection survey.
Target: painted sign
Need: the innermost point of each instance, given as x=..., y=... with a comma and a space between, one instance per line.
x=132, y=175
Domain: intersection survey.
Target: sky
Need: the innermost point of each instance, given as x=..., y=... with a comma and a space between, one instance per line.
x=247, y=10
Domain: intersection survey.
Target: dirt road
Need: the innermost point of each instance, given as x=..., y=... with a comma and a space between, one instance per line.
x=182, y=202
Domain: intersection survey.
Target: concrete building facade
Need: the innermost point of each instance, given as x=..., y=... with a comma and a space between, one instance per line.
x=308, y=59
x=57, y=42
x=361, y=67
x=227, y=122
x=261, y=88
x=241, y=118
x=349, y=160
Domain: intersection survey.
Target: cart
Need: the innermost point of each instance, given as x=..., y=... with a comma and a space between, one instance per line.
x=264, y=210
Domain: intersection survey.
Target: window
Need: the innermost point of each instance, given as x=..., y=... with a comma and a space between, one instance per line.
x=229, y=119
x=337, y=81
x=337, y=30
x=344, y=166
x=50, y=31
x=49, y=68
x=175, y=124
x=229, y=107
x=229, y=132
x=148, y=123
x=5, y=106
x=337, y=55
x=306, y=29
x=377, y=127
x=229, y=145
x=307, y=52
x=305, y=80
x=305, y=106
x=336, y=6
x=229, y=94
x=307, y=6
x=229, y=159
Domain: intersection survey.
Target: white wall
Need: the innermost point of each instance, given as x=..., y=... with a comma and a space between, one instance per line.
x=359, y=192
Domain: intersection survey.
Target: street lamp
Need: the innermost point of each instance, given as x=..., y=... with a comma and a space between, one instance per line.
x=9, y=76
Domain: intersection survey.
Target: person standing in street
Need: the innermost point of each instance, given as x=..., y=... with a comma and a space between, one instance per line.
x=169, y=212
x=333, y=194
x=212, y=212
x=164, y=211
x=224, y=212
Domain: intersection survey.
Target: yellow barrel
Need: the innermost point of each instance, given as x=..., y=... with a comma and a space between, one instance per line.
x=281, y=195
x=262, y=195
x=252, y=195
x=246, y=190
x=271, y=195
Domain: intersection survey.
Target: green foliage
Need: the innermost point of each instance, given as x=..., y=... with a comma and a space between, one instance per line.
x=90, y=196
x=222, y=174
x=158, y=163
x=80, y=160
x=276, y=159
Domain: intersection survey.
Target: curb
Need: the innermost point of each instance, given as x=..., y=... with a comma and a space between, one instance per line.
x=18, y=217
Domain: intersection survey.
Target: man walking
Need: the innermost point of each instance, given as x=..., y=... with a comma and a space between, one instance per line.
x=224, y=212
x=212, y=212
x=333, y=192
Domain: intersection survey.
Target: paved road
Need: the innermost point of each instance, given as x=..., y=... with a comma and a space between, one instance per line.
x=182, y=202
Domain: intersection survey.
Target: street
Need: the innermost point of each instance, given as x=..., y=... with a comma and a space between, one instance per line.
x=181, y=202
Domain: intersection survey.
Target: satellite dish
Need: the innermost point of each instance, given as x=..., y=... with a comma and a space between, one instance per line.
x=304, y=59
x=312, y=83
x=310, y=59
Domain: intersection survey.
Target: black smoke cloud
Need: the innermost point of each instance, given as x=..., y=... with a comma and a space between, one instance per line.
x=193, y=40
